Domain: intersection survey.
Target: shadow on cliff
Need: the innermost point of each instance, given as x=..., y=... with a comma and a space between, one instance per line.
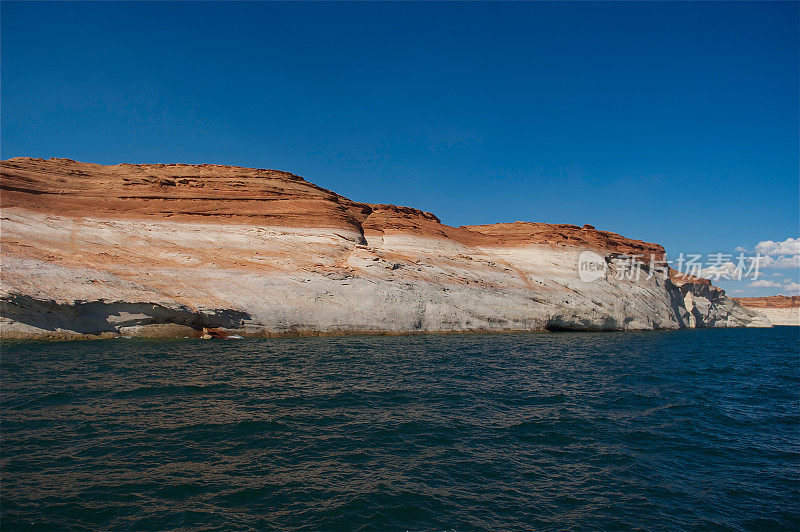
x=95, y=317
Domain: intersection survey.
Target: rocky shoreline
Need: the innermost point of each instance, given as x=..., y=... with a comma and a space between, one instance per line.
x=164, y=250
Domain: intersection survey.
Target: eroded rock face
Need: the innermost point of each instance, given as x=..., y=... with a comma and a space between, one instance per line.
x=166, y=249
x=709, y=307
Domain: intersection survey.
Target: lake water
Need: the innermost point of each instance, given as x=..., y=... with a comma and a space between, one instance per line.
x=655, y=430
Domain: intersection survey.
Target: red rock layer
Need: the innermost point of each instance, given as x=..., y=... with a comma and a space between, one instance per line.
x=176, y=191
x=232, y=194
x=769, y=302
x=682, y=278
x=518, y=233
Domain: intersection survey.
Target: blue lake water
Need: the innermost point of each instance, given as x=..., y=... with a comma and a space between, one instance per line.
x=653, y=430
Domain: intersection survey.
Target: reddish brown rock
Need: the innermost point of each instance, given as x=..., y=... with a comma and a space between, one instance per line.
x=682, y=278
x=232, y=194
x=769, y=302
x=522, y=233
x=180, y=192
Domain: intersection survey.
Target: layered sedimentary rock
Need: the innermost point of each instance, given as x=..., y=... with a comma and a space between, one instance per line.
x=168, y=249
x=781, y=310
x=707, y=305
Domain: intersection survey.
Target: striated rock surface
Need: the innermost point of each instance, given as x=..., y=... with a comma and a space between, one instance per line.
x=708, y=306
x=781, y=310
x=168, y=249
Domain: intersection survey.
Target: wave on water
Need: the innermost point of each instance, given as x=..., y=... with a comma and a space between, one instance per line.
x=681, y=429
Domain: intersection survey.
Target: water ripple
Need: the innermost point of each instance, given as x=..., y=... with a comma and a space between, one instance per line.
x=662, y=430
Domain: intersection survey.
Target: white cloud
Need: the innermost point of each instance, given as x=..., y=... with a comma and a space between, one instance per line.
x=792, y=288
x=764, y=261
x=784, y=262
x=781, y=262
x=763, y=283
x=784, y=254
x=726, y=270
x=790, y=246
x=755, y=264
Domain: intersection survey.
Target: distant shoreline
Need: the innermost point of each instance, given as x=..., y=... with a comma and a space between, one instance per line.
x=61, y=337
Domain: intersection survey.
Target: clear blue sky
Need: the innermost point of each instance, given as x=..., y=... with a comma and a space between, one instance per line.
x=671, y=122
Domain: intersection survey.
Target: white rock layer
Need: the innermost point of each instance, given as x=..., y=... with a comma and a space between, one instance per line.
x=782, y=316
x=68, y=276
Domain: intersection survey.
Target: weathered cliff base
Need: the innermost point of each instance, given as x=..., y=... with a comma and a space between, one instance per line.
x=165, y=250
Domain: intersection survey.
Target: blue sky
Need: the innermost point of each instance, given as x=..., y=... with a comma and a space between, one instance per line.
x=671, y=122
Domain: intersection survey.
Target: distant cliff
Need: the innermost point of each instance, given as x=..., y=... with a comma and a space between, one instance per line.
x=166, y=249
x=781, y=310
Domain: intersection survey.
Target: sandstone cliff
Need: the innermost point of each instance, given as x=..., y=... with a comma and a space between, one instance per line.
x=166, y=249
x=781, y=310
